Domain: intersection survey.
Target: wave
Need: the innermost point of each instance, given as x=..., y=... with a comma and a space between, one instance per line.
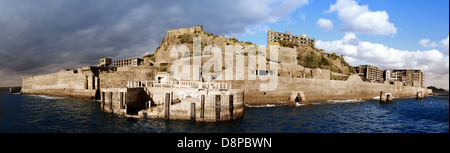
x=378, y=97
x=345, y=101
x=46, y=97
x=298, y=104
x=267, y=105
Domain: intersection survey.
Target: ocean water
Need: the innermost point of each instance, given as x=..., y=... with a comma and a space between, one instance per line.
x=43, y=114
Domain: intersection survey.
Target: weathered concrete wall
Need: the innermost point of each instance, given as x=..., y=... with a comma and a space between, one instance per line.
x=321, y=90
x=80, y=83
x=157, y=93
x=123, y=101
x=120, y=78
x=209, y=112
x=15, y=89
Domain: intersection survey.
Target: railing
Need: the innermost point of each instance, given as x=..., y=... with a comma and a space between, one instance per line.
x=179, y=84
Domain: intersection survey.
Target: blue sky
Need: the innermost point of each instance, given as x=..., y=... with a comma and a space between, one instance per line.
x=393, y=34
x=414, y=19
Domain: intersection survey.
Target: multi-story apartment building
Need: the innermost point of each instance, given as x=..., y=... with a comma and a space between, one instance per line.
x=273, y=36
x=406, y=77
x=127, y=62
x=370, y=73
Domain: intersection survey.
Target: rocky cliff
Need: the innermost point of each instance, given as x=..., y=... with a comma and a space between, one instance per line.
x=294, y=57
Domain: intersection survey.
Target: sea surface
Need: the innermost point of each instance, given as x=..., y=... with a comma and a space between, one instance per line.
x=44, y=114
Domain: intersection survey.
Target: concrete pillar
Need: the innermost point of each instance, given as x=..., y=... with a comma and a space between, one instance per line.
x=167, y=106
x=121, y=100
x=218, y=105
x=102, y=102
x=230, y=105
x=111, y=102
x=202, y=107
x=389, y=97
x=382, y=98
x=420, y=95
x=193, y=112
x=171, y=98
x=385, y=97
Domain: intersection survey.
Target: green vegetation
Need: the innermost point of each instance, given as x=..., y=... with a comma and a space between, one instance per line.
x=313, y=60
x=248, y=43
x=149, y=55
x=185, y=38
x=163, y=67
x=234, y=40
x=284, y=43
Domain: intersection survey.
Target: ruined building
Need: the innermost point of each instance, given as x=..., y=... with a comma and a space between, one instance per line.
x=406, y=77
x=127, y=62
x=105, y=62
x=273, y=36
x=370, y=73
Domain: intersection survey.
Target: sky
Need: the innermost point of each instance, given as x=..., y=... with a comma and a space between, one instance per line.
x=39, y=37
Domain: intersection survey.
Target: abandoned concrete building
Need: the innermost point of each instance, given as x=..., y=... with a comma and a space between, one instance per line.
x=273, y=36
x=370, y=73
x=127, y=62
x=105, y=62
x=406, y=77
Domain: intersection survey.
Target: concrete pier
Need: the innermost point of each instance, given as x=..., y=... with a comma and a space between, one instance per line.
x=386, y=97
x=296, y=97
x=199, y=105
x=15, y=89
x=420, y=95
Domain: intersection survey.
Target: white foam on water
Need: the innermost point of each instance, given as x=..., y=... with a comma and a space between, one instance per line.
x=47, y=97
x=267, y=105
x=345, y=101
x=298, y=104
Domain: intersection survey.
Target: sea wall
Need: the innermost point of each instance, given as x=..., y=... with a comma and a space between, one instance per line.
x=120, y=78
x=179, y=104
x=321, y=90
x=80, y=83
x=123, y=101
x=216, y=106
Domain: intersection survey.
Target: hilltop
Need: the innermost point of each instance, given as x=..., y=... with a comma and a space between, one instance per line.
x=298, y=59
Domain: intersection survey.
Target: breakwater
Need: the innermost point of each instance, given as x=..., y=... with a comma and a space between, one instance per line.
x=322, y=90
x=85, y=84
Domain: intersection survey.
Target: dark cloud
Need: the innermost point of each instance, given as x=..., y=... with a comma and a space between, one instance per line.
x=40, y=37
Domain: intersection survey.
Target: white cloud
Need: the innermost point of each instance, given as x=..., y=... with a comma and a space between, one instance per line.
x=426, y=43
x=441, y=44
x=444, y=44
x=359, y=19
x=325, y=24
x=357, y=52
x=86, y=31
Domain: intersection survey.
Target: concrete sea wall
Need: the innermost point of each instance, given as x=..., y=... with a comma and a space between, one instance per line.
x=119, y=78
x=202, y=106
x=80, y=83
x=123, y=101
x=174, y=103
x=321, y=90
